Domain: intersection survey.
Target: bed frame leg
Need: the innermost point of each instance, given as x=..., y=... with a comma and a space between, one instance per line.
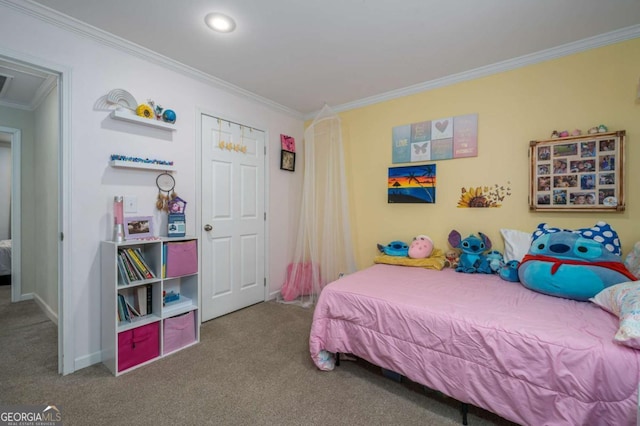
x=464, y=408
x=337, y=359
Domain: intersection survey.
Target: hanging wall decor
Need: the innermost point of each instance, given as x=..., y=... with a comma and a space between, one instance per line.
x=412, y=184
x=287, y=160
x=582, y=173
x=166, y=185
x=484, y=196
x=441, y=139
x=288, y=143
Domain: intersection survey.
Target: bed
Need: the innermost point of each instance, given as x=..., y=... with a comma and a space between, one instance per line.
x=5, y=257
x=531, y=358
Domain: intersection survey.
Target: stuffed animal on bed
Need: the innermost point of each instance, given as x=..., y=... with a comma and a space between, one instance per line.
x=574, y=264
x=509, y=271
x=472, y=258
x=421, y=247
x=395, y=248
x=495, y=260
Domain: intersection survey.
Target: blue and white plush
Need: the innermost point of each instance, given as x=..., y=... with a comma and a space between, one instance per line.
x=574, y=264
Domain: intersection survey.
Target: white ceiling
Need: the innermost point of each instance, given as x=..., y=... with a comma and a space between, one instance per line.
x=302, y=53
x=23, y=87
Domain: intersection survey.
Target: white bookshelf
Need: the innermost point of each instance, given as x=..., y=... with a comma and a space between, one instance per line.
x=182, y=316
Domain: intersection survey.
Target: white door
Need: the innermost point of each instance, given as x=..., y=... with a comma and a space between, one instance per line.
x=233, y=217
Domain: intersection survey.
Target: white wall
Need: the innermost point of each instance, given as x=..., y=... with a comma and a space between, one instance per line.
x=25, y=121
x=45, y=175
x=95, y=70
x=5, y=190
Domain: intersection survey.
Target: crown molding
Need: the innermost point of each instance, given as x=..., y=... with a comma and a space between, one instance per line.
x=76, y=26
x=605, y=39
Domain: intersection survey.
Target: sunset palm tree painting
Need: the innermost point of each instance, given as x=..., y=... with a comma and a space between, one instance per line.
x=412, y=184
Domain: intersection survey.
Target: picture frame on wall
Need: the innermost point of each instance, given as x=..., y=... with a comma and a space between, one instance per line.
x=287, y=160
x=580, y=173
x=138, y=227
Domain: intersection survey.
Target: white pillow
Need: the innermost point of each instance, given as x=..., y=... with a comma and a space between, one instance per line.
x=516, y=244
x=623, y=300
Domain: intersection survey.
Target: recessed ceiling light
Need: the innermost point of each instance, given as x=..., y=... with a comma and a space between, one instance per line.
x=219, y=22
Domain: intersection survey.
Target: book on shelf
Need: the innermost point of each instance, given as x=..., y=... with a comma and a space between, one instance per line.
x=149, y=299
x=131, y=271
x=138, y=253
x=133, y=266
x=131, y=310
x=140, y=299
x=123, y=312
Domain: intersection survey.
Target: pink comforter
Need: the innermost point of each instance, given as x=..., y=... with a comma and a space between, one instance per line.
x=530, y=358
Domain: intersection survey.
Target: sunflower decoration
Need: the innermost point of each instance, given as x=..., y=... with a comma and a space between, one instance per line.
x=484, y=196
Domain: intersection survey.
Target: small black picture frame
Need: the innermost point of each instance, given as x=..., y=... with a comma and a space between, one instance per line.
x=287, y=160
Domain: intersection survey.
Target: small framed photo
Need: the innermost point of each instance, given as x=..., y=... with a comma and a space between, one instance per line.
x=138, y=227
x=287, y=160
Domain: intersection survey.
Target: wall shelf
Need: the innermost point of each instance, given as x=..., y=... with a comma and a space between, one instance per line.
x=142, y=166
x=132, y=118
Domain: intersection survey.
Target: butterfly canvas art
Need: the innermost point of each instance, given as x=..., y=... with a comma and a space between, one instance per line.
x=432, y=140
x=421, y=151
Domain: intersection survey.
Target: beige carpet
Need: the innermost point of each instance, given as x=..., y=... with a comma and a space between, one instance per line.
x=251, y=367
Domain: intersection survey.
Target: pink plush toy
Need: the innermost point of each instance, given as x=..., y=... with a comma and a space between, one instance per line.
x=421, y=247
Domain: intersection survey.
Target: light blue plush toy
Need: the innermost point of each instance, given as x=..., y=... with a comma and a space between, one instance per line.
x=472, y=258
x=509, y=271
x=574, y=264
x=495, y=260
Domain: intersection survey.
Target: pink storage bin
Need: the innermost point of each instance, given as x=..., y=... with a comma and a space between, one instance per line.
x=182, y=258
x=138, y=345
x=179, y=331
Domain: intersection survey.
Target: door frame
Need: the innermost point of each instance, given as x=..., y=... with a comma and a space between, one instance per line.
x=200, y=111
x=16, y=220
x=66, y=340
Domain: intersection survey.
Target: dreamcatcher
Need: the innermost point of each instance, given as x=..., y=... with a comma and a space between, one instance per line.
x=166, y=184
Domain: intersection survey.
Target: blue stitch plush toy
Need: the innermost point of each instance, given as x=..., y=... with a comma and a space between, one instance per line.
x=472, y=258
x=574, y=264
x=395, y=248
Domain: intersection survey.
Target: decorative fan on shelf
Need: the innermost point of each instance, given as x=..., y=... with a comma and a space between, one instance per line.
x=166, y=184
x=122, y=98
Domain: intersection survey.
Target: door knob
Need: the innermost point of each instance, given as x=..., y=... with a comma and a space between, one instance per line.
x=208, y=227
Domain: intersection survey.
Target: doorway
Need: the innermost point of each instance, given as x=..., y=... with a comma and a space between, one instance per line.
x=38, y=130
x=232, y=241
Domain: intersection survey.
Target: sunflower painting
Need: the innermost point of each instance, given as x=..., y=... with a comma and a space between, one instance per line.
x=484, y=196
x=412, y=184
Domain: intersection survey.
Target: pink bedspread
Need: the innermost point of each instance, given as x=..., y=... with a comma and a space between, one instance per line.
x=530, y=358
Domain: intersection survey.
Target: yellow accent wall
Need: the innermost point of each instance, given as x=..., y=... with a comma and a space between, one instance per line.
x=514, y=107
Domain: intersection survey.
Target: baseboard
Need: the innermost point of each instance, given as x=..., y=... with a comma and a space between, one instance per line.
x=46, y=309
x=87, y=360
x=273, y=295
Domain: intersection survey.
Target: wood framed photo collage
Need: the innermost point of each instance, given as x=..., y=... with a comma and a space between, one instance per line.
x=578, y=173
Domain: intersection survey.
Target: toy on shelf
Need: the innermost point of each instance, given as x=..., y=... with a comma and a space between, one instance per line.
x=176, y=222
x=117, y=157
